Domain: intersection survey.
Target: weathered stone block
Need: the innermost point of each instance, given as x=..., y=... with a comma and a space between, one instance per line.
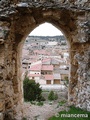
x=1, y=84
x=2, y=96
x=2, y=105
x=1, y=116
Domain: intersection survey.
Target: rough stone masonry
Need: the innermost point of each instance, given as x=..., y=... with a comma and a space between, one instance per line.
x=17, y=19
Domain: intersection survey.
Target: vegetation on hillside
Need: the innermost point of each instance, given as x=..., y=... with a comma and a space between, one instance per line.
x=32, y=90
x=73, y=110
x=52, y=96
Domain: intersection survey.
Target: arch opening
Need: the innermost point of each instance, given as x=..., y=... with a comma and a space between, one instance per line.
x=50, y=51
x=16, y=27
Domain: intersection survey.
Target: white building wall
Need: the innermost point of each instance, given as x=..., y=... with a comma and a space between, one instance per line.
x=51, y=81
x=41, y=81
x=35, y=63
x=38, y=80
x=34, y=72
x=35, y=78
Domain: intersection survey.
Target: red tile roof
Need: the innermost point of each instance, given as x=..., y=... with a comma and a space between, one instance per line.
x=43, y=52
x=47, y=67
x=46, y=60
x=36, y=67
x=48, y=77
x=34, y=75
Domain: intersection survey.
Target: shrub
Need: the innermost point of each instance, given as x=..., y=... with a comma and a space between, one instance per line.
x=62, y=102
x=24, y=118
x=33, y=102
x=42, y=98
x=51, y=95
x=40, y=103
x=32, y=90
x=56, y=96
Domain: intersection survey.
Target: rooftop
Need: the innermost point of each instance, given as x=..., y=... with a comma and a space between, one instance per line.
x=34, y=75
x=47, y=67
x=36, y=67
x=54, y=61
x=48, y=77
x=46, y=61
x=42, y=52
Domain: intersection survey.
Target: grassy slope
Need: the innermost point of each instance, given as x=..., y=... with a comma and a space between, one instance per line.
x=72, y=110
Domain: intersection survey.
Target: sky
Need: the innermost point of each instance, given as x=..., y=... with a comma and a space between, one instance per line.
x=45, y=29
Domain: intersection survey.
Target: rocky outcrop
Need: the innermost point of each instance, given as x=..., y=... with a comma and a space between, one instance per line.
x=17, y=19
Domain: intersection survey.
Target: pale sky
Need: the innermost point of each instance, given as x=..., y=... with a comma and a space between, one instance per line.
x=45, y=29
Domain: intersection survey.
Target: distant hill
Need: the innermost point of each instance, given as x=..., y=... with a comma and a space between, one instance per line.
x=46, y=38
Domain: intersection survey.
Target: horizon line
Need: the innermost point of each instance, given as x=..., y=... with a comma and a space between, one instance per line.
x=43, y=36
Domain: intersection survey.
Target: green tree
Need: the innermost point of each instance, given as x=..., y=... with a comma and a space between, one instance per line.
x=56, y=96
x=32, y=90
x=51, y=95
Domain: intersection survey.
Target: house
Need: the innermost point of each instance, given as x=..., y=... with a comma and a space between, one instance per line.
x=46, y=61
x=64, y=73
x=48, y=78
x=35, y=72
x=41, y=52
x=57, y=78
x=44, y=73
x=35, y=76
x=25, y=63
x=52, y=43
x=35, y=69
x=47, y=69
x=55, y=63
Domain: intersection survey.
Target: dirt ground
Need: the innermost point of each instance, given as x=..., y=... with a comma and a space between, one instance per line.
x=35, y=112
x=44, y=112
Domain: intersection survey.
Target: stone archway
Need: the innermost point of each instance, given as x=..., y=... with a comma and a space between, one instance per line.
x=17, y=19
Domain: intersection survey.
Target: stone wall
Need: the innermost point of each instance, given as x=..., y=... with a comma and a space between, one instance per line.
x=17, y=19
x=83, y=87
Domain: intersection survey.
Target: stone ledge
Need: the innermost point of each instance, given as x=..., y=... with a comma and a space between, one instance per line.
x=12, y=8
